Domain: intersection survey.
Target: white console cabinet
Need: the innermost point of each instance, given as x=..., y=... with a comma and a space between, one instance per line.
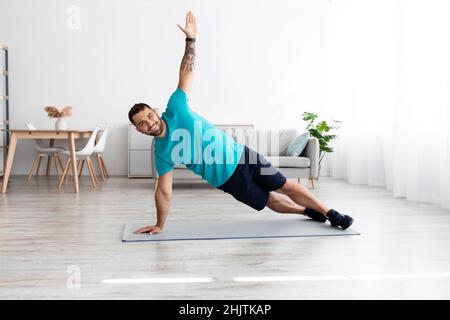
x=139, y=154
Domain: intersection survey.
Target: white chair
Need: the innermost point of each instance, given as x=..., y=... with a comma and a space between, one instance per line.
x=44, y=151
x=83, y=154
x=98, y=150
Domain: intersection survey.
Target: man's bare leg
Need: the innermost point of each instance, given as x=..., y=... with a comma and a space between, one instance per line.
x=300, y=195
x=313, y=207
x=281, y=205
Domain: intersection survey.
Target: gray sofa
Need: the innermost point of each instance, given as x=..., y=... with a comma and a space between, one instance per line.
x=272, y=144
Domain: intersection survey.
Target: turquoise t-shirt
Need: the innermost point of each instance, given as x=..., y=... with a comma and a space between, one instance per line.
x=193, y=141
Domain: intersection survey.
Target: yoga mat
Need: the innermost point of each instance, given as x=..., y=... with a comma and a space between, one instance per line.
x=235, y=229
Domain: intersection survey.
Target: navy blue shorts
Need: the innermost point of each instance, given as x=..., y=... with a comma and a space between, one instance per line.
x=253, y=180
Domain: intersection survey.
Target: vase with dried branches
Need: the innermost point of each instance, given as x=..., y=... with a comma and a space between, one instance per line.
x=54, y=113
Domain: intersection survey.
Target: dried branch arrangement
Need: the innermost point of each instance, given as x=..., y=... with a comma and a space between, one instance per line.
x=53, y=112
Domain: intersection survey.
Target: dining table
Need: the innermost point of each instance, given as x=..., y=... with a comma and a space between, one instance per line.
x=69, y=135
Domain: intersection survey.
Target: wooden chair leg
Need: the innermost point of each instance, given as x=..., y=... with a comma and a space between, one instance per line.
x=60, y=162
x=79, y=164
x=33, y=167
x=100, y=166
x=49, y=164
x=68, y=170
x=56, y=167
x=92, y=174
x=38, y=165
x=104, y=166
x=64, y=176
x=93, y=171
x=156, y=183
x=71, y=171
x=82, y=166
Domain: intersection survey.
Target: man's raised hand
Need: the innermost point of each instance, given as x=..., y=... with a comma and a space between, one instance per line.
x=190, y=30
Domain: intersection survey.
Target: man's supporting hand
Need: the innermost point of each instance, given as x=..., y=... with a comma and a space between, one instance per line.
x=191, y=28
x=149, y=229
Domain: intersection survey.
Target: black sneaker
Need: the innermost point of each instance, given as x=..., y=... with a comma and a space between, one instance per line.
x=315, y=215
x=339, y=220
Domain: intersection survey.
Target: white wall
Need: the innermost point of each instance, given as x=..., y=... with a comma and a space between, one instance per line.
x=258, y=62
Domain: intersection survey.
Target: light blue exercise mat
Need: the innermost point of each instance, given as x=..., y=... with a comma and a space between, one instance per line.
x=236, y=229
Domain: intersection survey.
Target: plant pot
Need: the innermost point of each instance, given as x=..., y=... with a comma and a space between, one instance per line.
x=61, y=124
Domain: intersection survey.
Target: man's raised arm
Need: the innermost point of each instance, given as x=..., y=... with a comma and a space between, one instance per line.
x=187, y=66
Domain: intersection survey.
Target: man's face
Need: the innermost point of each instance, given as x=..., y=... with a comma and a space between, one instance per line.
x=148, y=122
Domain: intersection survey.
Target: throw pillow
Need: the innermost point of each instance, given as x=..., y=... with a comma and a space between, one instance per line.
x=297, y=145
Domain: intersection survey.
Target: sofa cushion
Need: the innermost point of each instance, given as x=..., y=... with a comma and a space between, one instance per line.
x=268, y=142
x=297, y=145
x=288, y=162
x=286, y=136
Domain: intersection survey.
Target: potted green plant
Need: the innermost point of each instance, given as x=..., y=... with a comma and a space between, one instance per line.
x=322, y=131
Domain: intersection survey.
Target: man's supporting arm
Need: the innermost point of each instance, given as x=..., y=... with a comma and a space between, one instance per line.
x=163, y=195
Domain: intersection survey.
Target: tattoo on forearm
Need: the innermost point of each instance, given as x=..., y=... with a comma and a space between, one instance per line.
x=188, y=62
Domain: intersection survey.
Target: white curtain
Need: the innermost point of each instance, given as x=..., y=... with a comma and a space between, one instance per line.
x=388, y=77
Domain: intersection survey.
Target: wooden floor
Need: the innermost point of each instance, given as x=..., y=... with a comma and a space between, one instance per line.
x=402, y=253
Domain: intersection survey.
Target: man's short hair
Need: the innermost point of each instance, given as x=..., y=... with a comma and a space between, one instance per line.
x=138, y=107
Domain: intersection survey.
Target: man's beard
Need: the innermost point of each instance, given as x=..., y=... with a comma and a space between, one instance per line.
x=160, y=130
